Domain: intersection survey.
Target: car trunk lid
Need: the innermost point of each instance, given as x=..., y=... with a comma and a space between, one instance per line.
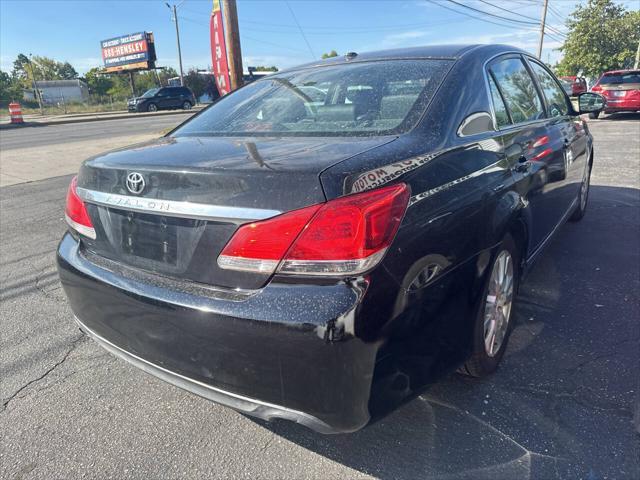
x=195, y=192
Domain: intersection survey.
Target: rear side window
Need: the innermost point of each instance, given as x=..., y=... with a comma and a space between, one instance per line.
x=556, y=99
x=360, y=98
x=518, y=90
x=502, y=117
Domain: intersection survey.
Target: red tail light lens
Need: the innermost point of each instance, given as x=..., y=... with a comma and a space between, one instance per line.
x=259, y=246
x=346, y=236
x=76, y=212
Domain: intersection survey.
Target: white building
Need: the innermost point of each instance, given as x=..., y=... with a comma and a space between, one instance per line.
x=60, y=91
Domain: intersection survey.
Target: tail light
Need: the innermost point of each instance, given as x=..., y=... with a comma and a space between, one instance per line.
x=346, y=236
x=76, y=213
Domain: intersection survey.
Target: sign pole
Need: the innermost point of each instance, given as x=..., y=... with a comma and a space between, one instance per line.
x=232, y=36
x=132, y=82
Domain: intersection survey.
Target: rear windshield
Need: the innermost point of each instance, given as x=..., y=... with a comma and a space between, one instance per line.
x=626, y=77
x=373, y=98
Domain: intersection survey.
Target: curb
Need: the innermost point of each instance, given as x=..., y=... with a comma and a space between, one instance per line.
x=98, y=118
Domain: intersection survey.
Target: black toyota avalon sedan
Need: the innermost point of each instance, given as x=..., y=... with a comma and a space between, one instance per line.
x=322, y=243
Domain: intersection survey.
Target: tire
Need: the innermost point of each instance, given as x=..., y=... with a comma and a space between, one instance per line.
x=594, y=115
x=152, y=107
x=583, y=194
x=186, y=105
x=484, y=360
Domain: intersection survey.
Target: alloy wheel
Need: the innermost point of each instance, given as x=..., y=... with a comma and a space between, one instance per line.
x=497, y=309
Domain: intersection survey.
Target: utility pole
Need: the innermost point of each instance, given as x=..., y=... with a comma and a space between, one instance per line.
x=232, y=39
x=636, y=64
x=542, y=23
x=35, y=85
x=175, y=19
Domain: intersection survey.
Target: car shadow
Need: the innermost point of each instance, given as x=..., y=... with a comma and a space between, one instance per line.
x=561, y=404
x=622, y=116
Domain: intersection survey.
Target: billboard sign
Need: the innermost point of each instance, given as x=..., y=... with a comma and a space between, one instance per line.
x=129, y=52
x=219, y=51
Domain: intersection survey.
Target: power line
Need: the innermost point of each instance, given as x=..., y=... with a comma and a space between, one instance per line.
x=552, y=29
x=475, y=17
x=508, y=11
x=557, y=14
x=357, y=32
x=484, y=12
x=299, y=27
x=260, y=40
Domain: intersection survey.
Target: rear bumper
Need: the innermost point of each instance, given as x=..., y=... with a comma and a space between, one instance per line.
x=622, y=105
x=270, y=353
x=246, y=405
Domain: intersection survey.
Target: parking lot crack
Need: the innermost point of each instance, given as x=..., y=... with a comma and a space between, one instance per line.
x=76, y=341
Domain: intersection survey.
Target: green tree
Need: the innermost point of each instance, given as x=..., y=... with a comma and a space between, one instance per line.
x=66, y=71
x=98, y=84
x=332, y=53
x=196, y=82
x=10, y=89
x=602, y=36
x=263, y=68
x=145, y=81
x=44, y=68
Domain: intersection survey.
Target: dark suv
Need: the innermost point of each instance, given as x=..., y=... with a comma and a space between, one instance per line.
x=164, y=98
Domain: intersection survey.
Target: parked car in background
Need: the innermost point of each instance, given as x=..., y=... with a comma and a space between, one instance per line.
x=325, y=242
x=164, y=98
x=578, y=84
x=621, y=89
x=567, y=86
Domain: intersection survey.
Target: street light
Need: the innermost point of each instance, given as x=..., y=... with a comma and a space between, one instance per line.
x=175, y=18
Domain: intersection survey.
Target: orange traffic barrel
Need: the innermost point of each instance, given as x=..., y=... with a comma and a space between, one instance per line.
x=15, y=111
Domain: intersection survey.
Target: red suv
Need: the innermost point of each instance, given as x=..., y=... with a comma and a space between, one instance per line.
x=578, y=84
x=621, y=88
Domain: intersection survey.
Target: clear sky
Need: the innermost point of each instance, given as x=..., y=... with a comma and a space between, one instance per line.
x=71, y=30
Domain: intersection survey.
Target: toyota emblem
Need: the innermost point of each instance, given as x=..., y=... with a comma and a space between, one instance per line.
x=135, y=183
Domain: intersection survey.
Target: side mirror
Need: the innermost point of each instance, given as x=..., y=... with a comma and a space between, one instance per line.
x=475, y=123
x=589, y=102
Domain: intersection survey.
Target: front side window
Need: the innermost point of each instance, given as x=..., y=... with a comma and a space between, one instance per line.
x=368, y=98
x=556, y=99
x=518, y=90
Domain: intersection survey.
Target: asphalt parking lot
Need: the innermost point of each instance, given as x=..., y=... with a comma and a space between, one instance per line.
x=561, y=406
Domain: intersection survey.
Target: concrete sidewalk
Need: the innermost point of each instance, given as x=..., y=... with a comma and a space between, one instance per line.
x=36, y=120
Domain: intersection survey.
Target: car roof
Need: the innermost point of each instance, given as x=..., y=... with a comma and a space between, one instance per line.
x=447, y=51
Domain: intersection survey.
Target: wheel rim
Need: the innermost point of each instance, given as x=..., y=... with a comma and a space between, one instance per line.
x=186, y=105
x=497, y=309
x=152, y=108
